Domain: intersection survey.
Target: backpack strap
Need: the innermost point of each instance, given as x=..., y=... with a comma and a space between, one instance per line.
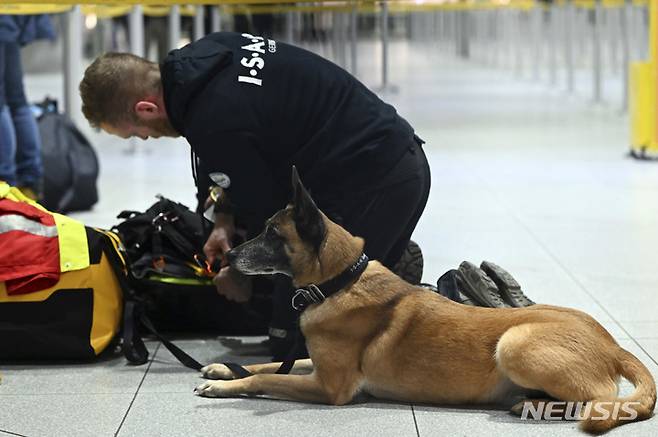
x=133, y=345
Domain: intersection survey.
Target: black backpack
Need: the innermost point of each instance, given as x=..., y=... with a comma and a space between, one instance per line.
x=70, y=165
x=172, y=280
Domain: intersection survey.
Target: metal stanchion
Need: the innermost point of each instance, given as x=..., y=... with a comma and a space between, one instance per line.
x=199, y=28
x=354, y=43
x=447, y=29
x=174, y=27
x=413, y=27
x=625, y=53
x=486, y=35
x=290, y=37
x=463, y=46
x=384, y=31
x=596, y=52
x=434, y=29
x=536, y=41
x=451, y=41
x=643, y=31
x=105, y=25
x=335, y=37
x=480, y=31
x=342, y=39
x=385, y=86
x=517, y=40
x=429, y=27
x=73, y=64
x=297, y=24
x=509, y=39
x=552, y=45
x=137, y=47
x=496, y=38
x=136, y=30
x=215, y=19
x=580, y=33
x=613, y=37
x=568, y=45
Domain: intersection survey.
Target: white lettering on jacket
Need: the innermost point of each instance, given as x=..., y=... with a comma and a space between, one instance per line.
x=254, y=62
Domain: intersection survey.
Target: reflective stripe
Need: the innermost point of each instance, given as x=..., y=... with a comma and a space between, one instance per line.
x=73, y=246
x=15, y=222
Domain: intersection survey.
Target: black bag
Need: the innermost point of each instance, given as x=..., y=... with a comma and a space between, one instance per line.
x=170, y=274
x=70, y=165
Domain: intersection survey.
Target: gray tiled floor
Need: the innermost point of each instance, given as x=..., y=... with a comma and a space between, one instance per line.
x=523, y=175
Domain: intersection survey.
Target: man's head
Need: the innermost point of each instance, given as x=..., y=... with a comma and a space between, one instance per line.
x=122, y=94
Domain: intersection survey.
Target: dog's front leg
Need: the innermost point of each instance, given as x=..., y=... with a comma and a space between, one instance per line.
x=307, y=388
x=220, y=371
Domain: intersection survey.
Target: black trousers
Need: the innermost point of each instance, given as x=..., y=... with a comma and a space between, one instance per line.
x=385, y=218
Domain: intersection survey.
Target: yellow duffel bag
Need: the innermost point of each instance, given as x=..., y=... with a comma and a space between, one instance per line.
x=79, y=314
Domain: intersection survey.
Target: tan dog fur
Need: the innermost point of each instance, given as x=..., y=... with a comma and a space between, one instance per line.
x=406, y=343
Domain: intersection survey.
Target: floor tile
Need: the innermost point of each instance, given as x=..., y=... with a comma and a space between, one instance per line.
x=650, y=346
x=107, y=376
x=641, y=330
x=79, y=415
x=184, y=414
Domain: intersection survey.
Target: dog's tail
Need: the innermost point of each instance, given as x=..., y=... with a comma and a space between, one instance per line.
x=604, y=415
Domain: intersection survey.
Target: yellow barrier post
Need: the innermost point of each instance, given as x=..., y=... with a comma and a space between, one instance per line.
x=643, y=98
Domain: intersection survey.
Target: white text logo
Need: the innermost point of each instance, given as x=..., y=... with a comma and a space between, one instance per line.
x=560, y=410
x=255, y=62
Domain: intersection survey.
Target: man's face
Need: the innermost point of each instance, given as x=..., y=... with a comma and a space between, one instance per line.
x=143, y=129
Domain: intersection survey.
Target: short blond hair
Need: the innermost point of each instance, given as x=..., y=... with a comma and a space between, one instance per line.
x=112, y=85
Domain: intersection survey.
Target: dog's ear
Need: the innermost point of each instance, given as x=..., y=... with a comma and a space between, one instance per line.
x=306, y=214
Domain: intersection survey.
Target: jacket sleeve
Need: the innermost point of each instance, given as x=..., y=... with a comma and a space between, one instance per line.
x=253, y=191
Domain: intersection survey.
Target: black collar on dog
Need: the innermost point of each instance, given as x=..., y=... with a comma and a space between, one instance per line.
x=312, y=293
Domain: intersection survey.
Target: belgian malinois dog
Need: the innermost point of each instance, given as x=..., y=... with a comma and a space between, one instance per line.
x=401, y=342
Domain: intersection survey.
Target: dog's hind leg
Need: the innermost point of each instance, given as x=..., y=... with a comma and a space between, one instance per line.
x=220, y=371
x=567, y=362
x=307, y=388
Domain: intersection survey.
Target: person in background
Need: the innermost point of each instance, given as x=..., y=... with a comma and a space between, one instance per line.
x=20, y=143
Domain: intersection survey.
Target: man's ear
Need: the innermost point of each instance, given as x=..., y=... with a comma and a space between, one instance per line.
x=147, y=110
x=307, y=216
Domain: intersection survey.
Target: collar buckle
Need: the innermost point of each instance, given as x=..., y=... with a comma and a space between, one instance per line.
x=306, y=296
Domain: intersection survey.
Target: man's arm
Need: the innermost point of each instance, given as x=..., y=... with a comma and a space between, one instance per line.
x=248, y=190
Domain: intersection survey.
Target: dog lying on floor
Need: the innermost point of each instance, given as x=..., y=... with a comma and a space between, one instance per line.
x=396, y=341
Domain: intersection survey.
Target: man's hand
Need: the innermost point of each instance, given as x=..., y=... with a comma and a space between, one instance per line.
x=219, y=241
x=233, y=285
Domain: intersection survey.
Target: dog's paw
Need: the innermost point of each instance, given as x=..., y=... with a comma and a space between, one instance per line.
x=212, y=389
x=217, y=371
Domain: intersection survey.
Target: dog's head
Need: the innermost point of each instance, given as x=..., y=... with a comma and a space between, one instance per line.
x=298, y=241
